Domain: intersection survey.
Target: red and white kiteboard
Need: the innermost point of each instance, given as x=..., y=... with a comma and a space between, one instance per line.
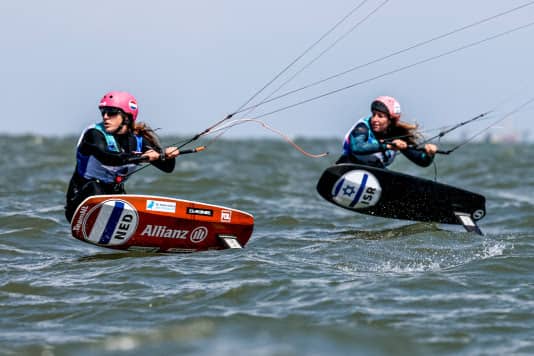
x=159, y=224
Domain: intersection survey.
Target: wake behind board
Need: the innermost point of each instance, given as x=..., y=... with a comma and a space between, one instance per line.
x=390, y=194
x=159, y=224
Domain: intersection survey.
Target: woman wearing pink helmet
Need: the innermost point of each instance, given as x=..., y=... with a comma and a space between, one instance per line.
x=375, y=140
x=111, y=149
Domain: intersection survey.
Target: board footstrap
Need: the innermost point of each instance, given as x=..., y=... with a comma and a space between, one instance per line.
x=467, y=222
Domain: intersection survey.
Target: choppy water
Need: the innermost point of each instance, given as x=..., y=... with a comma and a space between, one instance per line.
x=313, y=280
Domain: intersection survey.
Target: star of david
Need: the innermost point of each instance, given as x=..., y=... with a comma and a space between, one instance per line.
x=349, y=190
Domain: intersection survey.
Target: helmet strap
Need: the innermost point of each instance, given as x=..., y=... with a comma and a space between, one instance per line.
x=125, y=122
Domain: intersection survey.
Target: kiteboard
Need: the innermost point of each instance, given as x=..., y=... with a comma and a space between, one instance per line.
x=389, y=194
x=159, y=224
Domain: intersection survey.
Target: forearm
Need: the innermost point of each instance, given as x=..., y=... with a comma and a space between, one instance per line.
x=165, y=165
x=93, y=146
x=419, y=157
x=360, y=146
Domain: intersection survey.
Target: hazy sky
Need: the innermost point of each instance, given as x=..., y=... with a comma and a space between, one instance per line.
x=189, y=63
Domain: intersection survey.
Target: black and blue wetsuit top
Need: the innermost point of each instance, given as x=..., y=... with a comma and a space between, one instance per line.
x=93, y=146
x=361, y=146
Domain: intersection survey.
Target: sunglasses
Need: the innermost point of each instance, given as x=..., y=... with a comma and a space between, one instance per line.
x=110, y=111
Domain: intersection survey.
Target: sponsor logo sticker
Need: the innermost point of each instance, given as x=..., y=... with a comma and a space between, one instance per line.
x=478, y=214
x=164, y=231
x=226, y=215
x=81, y=217
x=198, y=234
x=196, y=211
x=163, y=206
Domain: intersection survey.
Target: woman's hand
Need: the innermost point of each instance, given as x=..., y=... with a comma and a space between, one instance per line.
x=171, y=152
x=431, y=149
x=151, y=155
x=397, y=144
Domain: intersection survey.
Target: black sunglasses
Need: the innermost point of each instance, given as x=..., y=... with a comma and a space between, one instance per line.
x=110, y=111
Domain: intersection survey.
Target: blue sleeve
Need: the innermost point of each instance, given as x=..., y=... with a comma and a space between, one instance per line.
x=358, y=141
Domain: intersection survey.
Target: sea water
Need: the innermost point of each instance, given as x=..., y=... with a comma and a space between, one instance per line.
x=314, y=279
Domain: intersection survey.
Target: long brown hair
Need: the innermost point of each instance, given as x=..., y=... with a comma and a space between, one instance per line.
x=149, y=134
x=404, y=131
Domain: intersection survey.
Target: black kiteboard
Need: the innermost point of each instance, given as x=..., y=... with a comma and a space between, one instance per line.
x=389, y=194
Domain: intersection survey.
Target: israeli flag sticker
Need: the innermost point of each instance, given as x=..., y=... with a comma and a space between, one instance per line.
x=357, y=189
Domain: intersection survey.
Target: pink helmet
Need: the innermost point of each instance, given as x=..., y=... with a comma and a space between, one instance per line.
x=388, y=105
x=122, y=100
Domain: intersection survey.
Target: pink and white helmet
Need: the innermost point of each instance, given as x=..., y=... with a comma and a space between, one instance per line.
x=388, y=105
x=122, y=100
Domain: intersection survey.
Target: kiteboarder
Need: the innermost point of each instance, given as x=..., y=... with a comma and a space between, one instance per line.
x=111, y=149
x=375, y=140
